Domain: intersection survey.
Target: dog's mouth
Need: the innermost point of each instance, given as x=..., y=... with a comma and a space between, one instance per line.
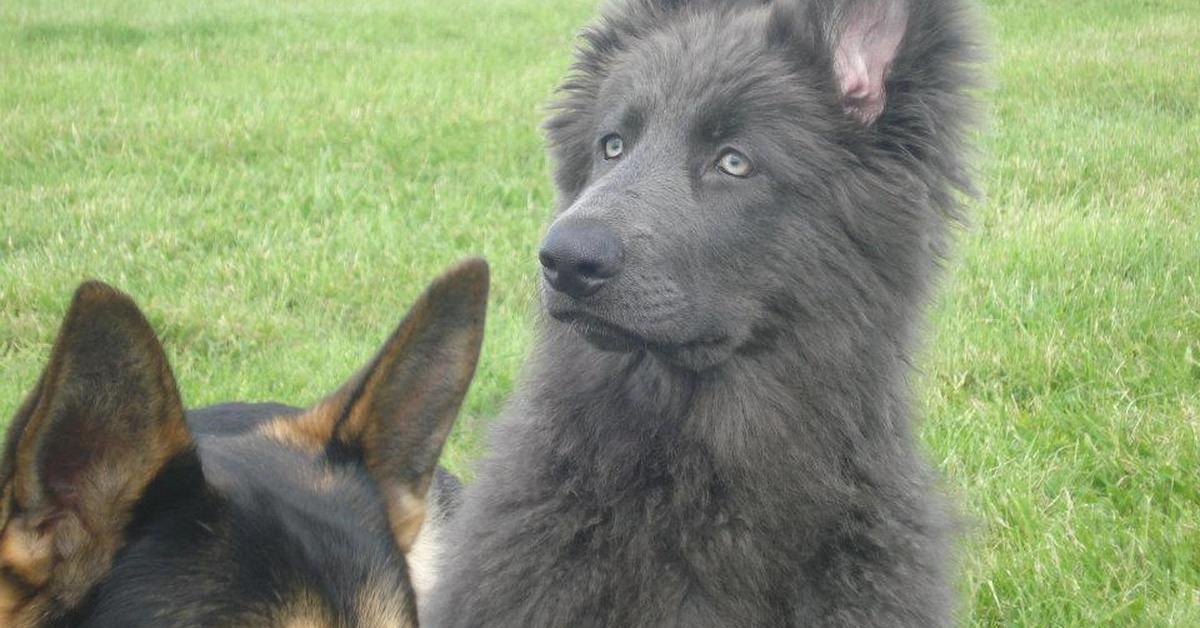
x=601, y=333
x=608, y=336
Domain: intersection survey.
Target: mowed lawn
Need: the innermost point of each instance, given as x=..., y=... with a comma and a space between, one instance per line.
x=275, y=182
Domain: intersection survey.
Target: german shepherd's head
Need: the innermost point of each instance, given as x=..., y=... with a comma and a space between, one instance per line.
x=115, y=512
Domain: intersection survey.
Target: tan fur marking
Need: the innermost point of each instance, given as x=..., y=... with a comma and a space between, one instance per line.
x=425, y=554
x=310, y=431
x=27, y=556
x=305, y=610
x=24, y=486
x=382, y=607
x=326, y=481
x=18, y=606
x=406, y=512
x=305, y=622
x=362, y=417
x=26, y=553
x=11, y=601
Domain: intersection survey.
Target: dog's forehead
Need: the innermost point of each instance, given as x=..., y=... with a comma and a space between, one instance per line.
x=317, y=528
x=275, y=538
x=255, y=469
x=660, y=71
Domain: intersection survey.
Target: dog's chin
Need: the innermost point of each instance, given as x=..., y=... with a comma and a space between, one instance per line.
x=697, y=356
x=692, y=355
x=603, y=335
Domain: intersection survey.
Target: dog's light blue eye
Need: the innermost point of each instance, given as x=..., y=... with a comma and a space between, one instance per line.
x=613, y=146
x=734, y=163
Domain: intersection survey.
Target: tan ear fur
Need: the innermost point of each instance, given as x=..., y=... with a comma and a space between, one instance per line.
x=399, y=409
x=103, y=420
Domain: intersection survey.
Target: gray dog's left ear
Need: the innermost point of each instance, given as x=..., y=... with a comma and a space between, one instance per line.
x=866, y=37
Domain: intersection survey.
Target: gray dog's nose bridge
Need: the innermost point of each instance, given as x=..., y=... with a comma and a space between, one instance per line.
x=629, y=188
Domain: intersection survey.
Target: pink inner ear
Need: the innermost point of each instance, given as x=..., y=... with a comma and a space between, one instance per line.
x=864, y=54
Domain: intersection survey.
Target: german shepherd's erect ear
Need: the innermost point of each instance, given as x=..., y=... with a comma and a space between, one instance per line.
x=103, y=421
x=396, y=413
x=114, y=513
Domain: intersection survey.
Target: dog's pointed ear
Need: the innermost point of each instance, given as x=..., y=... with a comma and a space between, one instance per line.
x=866, y=37
x=404, y=403
x=102, y=422
x=397, y=412
x=860, y=39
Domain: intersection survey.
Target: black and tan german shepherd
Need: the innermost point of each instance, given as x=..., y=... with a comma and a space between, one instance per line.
x=120, y=509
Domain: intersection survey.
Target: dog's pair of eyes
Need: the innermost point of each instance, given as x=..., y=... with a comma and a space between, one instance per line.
x=730, y=161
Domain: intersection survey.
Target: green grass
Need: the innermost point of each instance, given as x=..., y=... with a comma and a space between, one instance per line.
x=275, y=182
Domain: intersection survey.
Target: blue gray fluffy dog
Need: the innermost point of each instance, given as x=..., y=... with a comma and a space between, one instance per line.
x=714, y=427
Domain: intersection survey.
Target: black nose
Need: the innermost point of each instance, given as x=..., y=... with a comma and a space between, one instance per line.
x=579, y=256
